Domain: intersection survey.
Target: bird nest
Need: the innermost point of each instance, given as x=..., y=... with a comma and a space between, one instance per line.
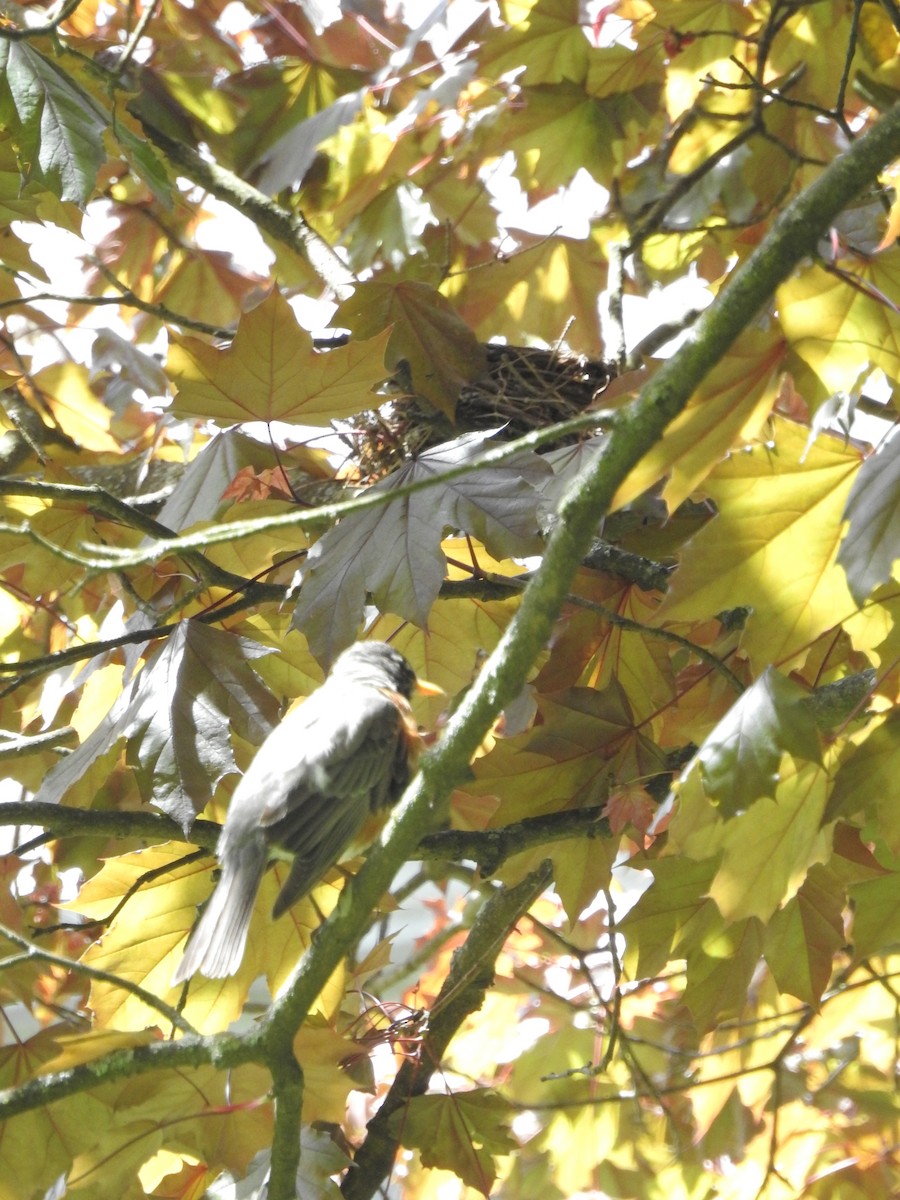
x=523, y=388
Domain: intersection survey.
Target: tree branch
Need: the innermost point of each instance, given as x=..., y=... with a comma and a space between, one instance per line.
x=471, y=974
x=292, y=229
x=223, y=1050
x=33, y=952
x=326, y=515
x=80, y=822
x=490, y=848
x=99, y=500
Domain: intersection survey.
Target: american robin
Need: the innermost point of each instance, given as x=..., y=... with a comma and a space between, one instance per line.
x=343, y=755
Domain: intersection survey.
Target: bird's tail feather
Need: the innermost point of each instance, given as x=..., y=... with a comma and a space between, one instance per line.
x=216, y=945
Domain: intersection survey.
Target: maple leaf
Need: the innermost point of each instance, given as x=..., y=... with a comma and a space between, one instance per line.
x=777, y=508
x=461, y=1132
x=739, y=760
x=864, y=782
x=440, y=351
x=176, y=717
x=803, y=937
x=271, y=372
x=543, y=36
x=632, y=805
x=838, y=326
x=249, y=484
x=393, y=553
x=582, y=740
x=728, y=410
x=766, y=851
x=674, y=914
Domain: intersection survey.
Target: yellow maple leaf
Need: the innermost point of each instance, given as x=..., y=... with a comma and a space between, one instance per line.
x=772, y=546
x=271, y=372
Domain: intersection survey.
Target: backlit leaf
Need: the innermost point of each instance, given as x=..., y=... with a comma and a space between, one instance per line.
x=865, y=782
x=440, y=351
x=459, y=1132
x=778, y=506
x=543, y=35
x=803, y=937
x=766, y=850
x=739, y=760
x=271, y=372
x=839, y=327
x=725, y=412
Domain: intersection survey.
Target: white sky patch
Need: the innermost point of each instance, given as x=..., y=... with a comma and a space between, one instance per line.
x=230, y=231
x=643, y=314
x=568, y=213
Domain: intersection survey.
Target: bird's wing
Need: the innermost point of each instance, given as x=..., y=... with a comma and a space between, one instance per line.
x=329, y=747
x=318, y=852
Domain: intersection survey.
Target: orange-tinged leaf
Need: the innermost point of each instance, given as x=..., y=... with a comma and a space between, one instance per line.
x=250, y=484
x=271, y=372
x=773, y=545
x=728, y=410
x=591, y=650
x=440, y=350
x=631, y=805
x=803, y=937
x=566, y=761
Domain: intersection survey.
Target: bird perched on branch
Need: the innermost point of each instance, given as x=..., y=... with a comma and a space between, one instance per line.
x=341, y=757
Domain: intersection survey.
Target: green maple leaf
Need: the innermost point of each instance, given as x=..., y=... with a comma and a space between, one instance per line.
x=739, y=760
x=460, y=1132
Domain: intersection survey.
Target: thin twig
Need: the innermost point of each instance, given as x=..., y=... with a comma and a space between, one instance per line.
x=33, y=952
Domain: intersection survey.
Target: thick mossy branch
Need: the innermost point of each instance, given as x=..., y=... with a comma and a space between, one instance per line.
x=147, y=825
x=223, y=1050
